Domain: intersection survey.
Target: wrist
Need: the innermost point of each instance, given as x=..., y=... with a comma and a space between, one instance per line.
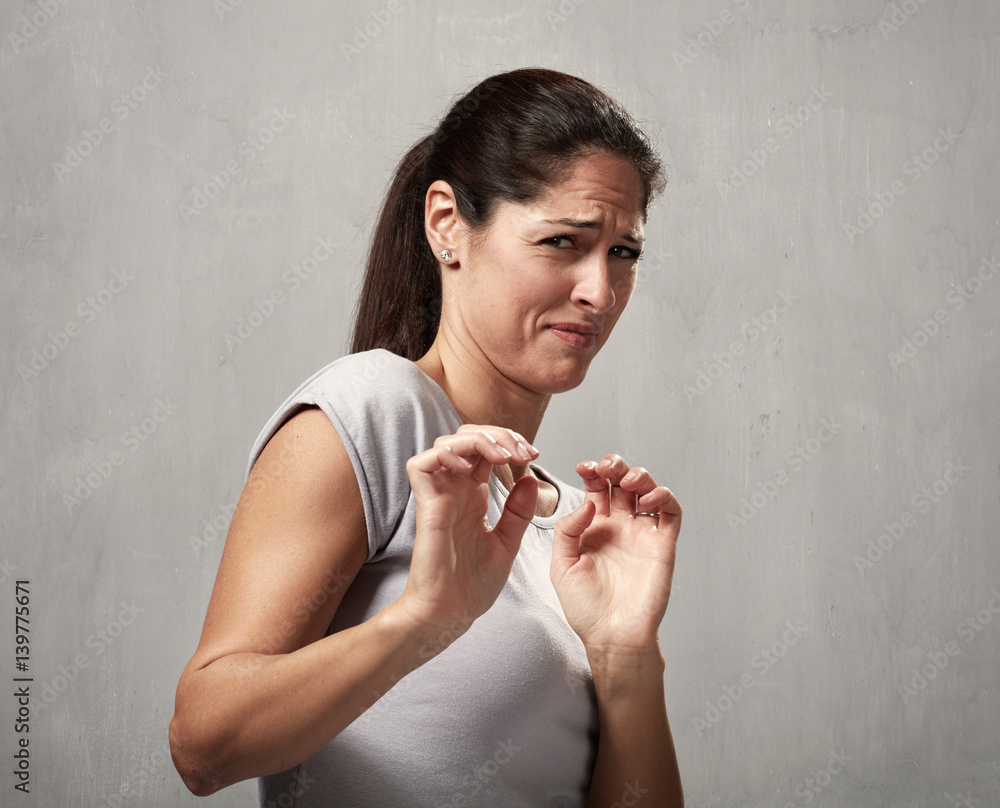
x=428, y=638
x=620, y=670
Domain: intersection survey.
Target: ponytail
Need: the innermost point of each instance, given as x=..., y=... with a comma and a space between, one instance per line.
x=400, y=301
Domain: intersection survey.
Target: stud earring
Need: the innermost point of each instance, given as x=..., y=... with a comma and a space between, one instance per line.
x=445, y=255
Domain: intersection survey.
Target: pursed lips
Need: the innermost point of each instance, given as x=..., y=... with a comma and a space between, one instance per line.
x=579, y=335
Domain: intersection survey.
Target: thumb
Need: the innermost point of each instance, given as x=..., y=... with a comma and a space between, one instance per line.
x=566, y=542
x=517, y=512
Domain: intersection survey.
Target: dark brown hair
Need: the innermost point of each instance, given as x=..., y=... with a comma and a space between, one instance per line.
x=507, y=139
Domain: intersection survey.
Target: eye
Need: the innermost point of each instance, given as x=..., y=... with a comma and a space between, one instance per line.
x=625, y=252
x=556, y=241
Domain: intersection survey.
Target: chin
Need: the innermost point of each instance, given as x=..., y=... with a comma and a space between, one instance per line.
x=563, y=379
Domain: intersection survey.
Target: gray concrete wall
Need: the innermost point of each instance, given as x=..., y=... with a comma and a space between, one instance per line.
x=810, y=360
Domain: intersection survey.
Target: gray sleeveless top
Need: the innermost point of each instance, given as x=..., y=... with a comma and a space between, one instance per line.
x=506, y=716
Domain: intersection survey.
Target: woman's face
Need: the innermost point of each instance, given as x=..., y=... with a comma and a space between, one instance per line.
x=538, y=294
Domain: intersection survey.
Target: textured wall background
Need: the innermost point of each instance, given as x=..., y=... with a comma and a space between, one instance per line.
x=810, y=360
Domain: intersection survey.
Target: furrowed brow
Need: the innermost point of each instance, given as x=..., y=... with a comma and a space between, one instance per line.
x=588, y=224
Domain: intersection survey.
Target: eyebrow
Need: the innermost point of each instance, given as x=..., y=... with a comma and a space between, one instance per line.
x=588, y=224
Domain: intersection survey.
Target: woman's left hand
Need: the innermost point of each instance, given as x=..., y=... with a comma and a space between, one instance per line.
x=611, y=568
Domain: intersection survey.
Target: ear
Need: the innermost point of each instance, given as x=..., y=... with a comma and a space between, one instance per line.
x=442, y=223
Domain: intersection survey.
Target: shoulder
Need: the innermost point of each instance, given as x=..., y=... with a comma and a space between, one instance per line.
x=377, y=378
x=385, y=410
x=368, y=395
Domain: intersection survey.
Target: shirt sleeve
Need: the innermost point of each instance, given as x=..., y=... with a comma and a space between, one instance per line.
x=385, y=411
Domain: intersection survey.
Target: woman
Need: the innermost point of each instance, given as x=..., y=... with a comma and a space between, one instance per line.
x=371, y=639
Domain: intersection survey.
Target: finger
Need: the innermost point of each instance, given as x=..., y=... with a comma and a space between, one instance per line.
x=468, y=444
x=660, y=499
x=614, y=469
x=514, y=442
x=517, y=512
x=566, y=541
x=639, y=481
x=595, y=488
x=439, y=458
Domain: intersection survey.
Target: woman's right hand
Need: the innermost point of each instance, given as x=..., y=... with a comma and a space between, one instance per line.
x=459, y=563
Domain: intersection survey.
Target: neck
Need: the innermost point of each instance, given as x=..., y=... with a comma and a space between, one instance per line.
x=480, y=393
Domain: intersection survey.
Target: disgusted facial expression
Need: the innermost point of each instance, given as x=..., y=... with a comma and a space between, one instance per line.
x=539, y=292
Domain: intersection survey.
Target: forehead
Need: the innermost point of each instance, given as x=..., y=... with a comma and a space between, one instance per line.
x=599, y=189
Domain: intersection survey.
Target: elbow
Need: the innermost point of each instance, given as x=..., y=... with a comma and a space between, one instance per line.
x=194, y=768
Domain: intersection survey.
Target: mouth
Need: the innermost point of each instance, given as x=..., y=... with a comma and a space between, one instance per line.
x=579, y=335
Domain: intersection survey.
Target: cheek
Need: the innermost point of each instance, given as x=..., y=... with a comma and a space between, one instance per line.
x=623, y=290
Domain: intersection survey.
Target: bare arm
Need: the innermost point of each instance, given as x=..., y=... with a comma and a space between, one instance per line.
x=612, y=570
x=265, y=690
x=635, y=752
x=296, y=542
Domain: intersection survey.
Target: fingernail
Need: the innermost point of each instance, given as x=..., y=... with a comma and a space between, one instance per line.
x=522, y=451
x=504, y=452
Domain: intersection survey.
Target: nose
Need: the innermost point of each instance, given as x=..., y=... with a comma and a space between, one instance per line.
x=594, y=289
